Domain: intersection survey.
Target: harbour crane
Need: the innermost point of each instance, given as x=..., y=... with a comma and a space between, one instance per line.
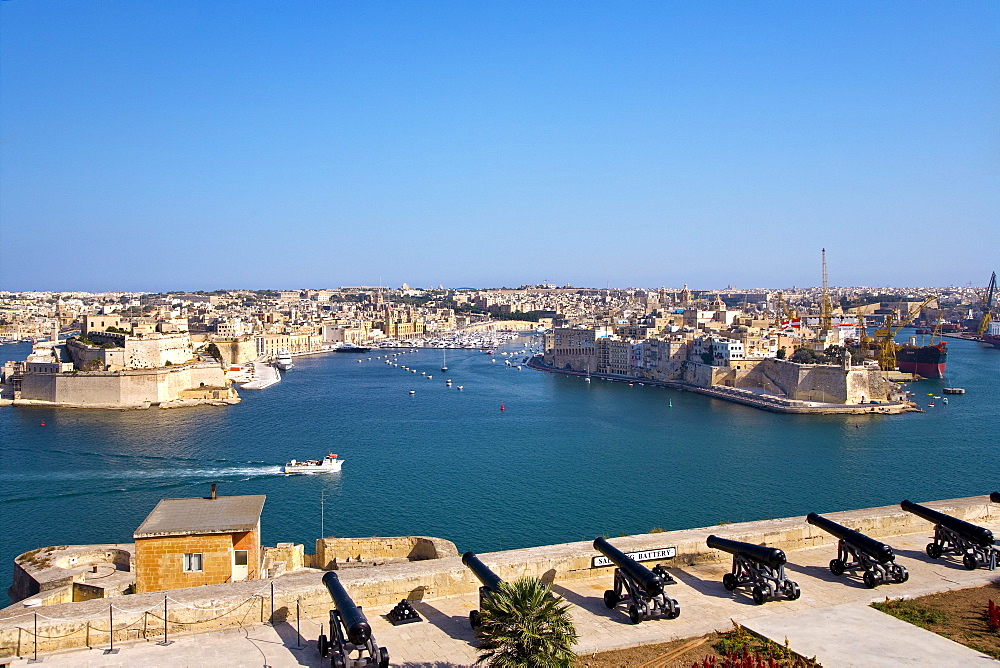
x=885, y=336
x=864, y=341
x=984, y=322
x=825, y=308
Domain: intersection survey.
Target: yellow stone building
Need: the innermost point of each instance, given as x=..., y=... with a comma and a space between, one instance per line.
x=200, y=541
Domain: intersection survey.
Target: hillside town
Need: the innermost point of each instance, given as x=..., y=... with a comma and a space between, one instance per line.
x=135, y=350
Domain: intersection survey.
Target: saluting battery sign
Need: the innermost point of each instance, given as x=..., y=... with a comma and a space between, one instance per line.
x=645, y=555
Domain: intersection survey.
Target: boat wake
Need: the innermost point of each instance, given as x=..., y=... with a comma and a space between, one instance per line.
x=131, y=481
x=148, y=474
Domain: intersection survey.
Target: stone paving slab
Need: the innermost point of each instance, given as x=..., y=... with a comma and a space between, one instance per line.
x=445, y=640
x=847, y=636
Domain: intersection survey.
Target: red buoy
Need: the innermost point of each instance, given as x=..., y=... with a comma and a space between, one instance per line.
x=43, y=424
x=501, y=406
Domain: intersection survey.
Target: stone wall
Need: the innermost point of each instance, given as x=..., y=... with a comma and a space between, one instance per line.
x=237, y=351
x=50, y=573
x=157, y=350
x=334, y=553
x=247, y=603
x=283, y=558
x=817, y=382
x=159, y=560
x=119, y=389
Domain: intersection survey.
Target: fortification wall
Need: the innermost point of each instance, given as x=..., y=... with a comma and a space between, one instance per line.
x=817, y=382
x=157, y=350
x=332, y=553
x=124, y=389
x=237, y=351
x=246, y=603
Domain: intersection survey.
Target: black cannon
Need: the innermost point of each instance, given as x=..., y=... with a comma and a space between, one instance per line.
x=856, y=551
x=995, y=497
x=758, y=568
x=490, y=583
x=347, y=618
x=955, y=536
x=640, y=587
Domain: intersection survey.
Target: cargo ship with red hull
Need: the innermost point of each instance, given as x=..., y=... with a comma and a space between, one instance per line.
x=992, y=335
x=926, y=361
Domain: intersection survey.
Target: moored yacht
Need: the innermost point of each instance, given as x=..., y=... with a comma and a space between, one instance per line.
x=283, y=360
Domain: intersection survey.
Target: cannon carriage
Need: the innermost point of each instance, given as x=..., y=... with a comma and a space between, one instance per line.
x=349, y=632
x=640, y=588
x=758, y=569
x=858, y=552
x=958, y=537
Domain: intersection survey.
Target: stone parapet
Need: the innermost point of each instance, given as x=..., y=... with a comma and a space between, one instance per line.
x=334, y=553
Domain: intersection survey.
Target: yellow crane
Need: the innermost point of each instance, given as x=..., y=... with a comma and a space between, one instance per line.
x=988, y=298
x=885, y=336
x=864, y=341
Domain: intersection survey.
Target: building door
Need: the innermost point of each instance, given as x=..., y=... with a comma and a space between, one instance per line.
x=240, y=567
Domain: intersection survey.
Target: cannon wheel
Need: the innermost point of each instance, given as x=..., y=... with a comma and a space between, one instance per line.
x=729, y=581
x=383, y=657
x=933, y=550
x=837, y=567
x=758, y=595
x=610, y=599
x=475, y=619
x=969, y=561
x=323, y=645
x=793, y=591
x=871, y=581
x=675, y=611
x=902, y=575
x=633, y=614
x=337, y=661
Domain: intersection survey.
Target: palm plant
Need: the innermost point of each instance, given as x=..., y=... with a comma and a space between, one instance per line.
x=524, y=624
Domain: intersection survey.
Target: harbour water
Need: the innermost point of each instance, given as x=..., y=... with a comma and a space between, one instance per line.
x=566, y=460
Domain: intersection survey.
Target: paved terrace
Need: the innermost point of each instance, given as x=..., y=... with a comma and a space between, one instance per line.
x=831, y=621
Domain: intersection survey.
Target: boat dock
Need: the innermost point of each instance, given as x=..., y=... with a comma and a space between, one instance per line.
x=264, y=376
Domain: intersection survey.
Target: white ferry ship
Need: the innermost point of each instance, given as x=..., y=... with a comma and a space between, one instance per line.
x=329, y=464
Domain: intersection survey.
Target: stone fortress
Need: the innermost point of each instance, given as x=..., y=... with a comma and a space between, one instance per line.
x=118, y=364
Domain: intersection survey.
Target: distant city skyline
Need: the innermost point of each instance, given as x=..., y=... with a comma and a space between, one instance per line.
x=194, y=146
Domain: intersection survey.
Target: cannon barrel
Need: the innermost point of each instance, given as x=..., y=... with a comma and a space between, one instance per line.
x=768, y=556
x=995, y=497
x=355, y=622
x=981, y=536
x=649, y=581
x=481, y=571
x=878, y=551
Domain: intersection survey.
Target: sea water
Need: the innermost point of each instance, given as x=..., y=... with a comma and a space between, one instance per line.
x=565, y=460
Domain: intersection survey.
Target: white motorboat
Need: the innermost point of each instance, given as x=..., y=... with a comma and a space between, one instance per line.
x=329, y=464
x=283, y=360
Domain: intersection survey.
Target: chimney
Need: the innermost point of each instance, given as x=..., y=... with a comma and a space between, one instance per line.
x=213, y=497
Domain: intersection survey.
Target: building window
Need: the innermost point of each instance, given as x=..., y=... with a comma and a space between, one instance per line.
x=192, y=562
x=240, y=558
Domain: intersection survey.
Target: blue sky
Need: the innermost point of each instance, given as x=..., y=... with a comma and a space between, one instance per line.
x=162, y=145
